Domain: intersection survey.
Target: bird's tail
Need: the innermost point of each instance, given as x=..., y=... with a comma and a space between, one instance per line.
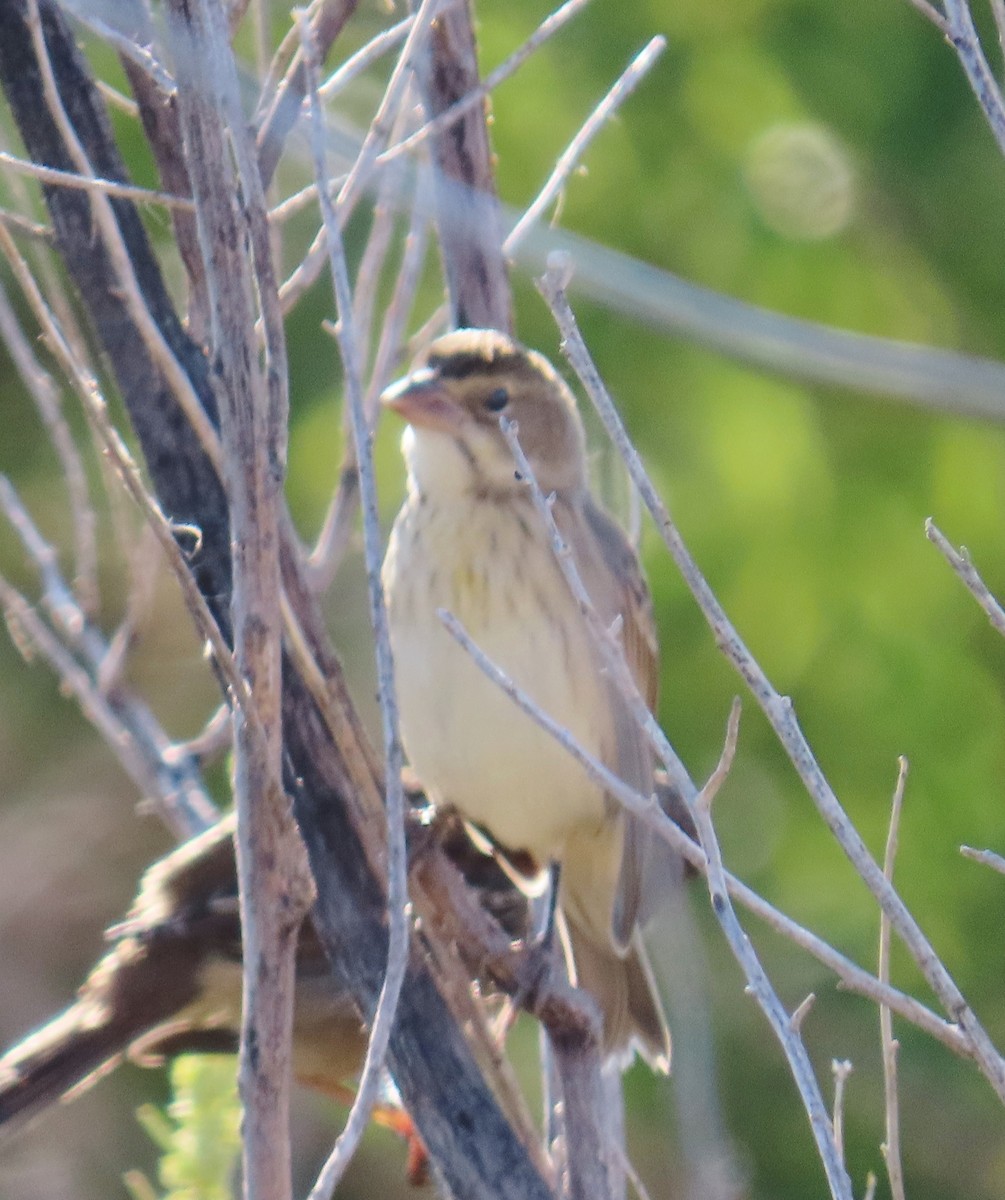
x=68, y=1053
x=624, y=987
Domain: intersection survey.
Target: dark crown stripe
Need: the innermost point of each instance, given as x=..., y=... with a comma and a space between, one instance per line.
x=465, y=366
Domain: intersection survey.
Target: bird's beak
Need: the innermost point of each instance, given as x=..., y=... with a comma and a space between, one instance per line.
x=423, y=401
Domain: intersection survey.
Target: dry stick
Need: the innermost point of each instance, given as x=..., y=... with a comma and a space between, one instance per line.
x=377, y=248
x=278, y=69
x=362, y=60
x=142, y=56
x=841, y=1070
x=933, y=15
x=346, y=73
x=395, y=321
x=546, y=30
x=468, y=218
x=118, y=100
x=31, y=634
x=758, y=983
x=987, y=858
x=336, y=530
x=327, y=19
x=962, y=35
x=778, y=709
x=959, y=560
x=90, y=183
x=122, y=462
x=382, y=42
x=31, y=229
x=163, y=771
x=998, y=12
x=174, y=374
x=891, y=1147
x=622, y=89
x=374, y=141
x=46, y=397
x=397, y=866
x=274, y=891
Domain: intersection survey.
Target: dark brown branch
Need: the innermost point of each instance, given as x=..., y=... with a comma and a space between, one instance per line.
x=331, y=19
x=469, y=222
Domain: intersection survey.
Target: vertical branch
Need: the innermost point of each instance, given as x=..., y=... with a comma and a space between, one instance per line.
x=397, y=880
x=468, y=217
x=252, y=415
x=891, y=1146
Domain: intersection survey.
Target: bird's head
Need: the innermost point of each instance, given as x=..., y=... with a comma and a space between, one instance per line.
x=453, y=400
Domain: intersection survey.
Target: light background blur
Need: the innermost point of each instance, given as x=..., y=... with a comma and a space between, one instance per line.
x=824, y=160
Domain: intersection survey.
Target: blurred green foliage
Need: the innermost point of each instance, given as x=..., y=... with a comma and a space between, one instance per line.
x=198, y=1136
x=827, y=161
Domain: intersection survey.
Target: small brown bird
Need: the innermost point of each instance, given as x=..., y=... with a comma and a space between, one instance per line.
x=171, y=984
x=469, y=540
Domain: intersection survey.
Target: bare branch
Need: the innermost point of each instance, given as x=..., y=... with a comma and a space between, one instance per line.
x=397, y=880
x=987, y=858
x=477, y=95
x=959, y=560
x=778, y=709
x=962, y=34
x=89, y=183
x=47, y=401
x=932, y=14
x=629, y=80
x=841, y=1069
x=891, y=1147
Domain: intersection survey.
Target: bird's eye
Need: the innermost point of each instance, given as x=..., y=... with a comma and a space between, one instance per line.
x=497, y=400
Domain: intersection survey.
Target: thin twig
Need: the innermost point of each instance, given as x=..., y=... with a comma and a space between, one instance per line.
x=142, y=56
x=998, y=12
x=363, y=165
x=104, y=216
x=758, y=984
x=274, y=887
x=629, y=80
x=959, y=560
x=962, y=34
x=47, y=401
x=125, y=724
x=932, y=14
x=841, y=1069
x=336, y=530
x=397, y=878
x=987, y=858
x=778, y=709
x=546, y=30
x=122, y=462
x=89, y=183
x=891, y=1146
x=364, y=58
x=22, y=225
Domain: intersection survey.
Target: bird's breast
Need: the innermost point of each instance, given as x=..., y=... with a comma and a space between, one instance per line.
x=491, y=565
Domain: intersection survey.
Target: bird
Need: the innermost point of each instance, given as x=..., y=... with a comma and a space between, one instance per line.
x=469, y=540
x=170, y=984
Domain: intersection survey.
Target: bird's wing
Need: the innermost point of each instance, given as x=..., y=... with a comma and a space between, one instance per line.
x=613, y=578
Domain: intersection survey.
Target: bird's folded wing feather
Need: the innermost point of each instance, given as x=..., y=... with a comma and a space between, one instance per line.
x=613, y=579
